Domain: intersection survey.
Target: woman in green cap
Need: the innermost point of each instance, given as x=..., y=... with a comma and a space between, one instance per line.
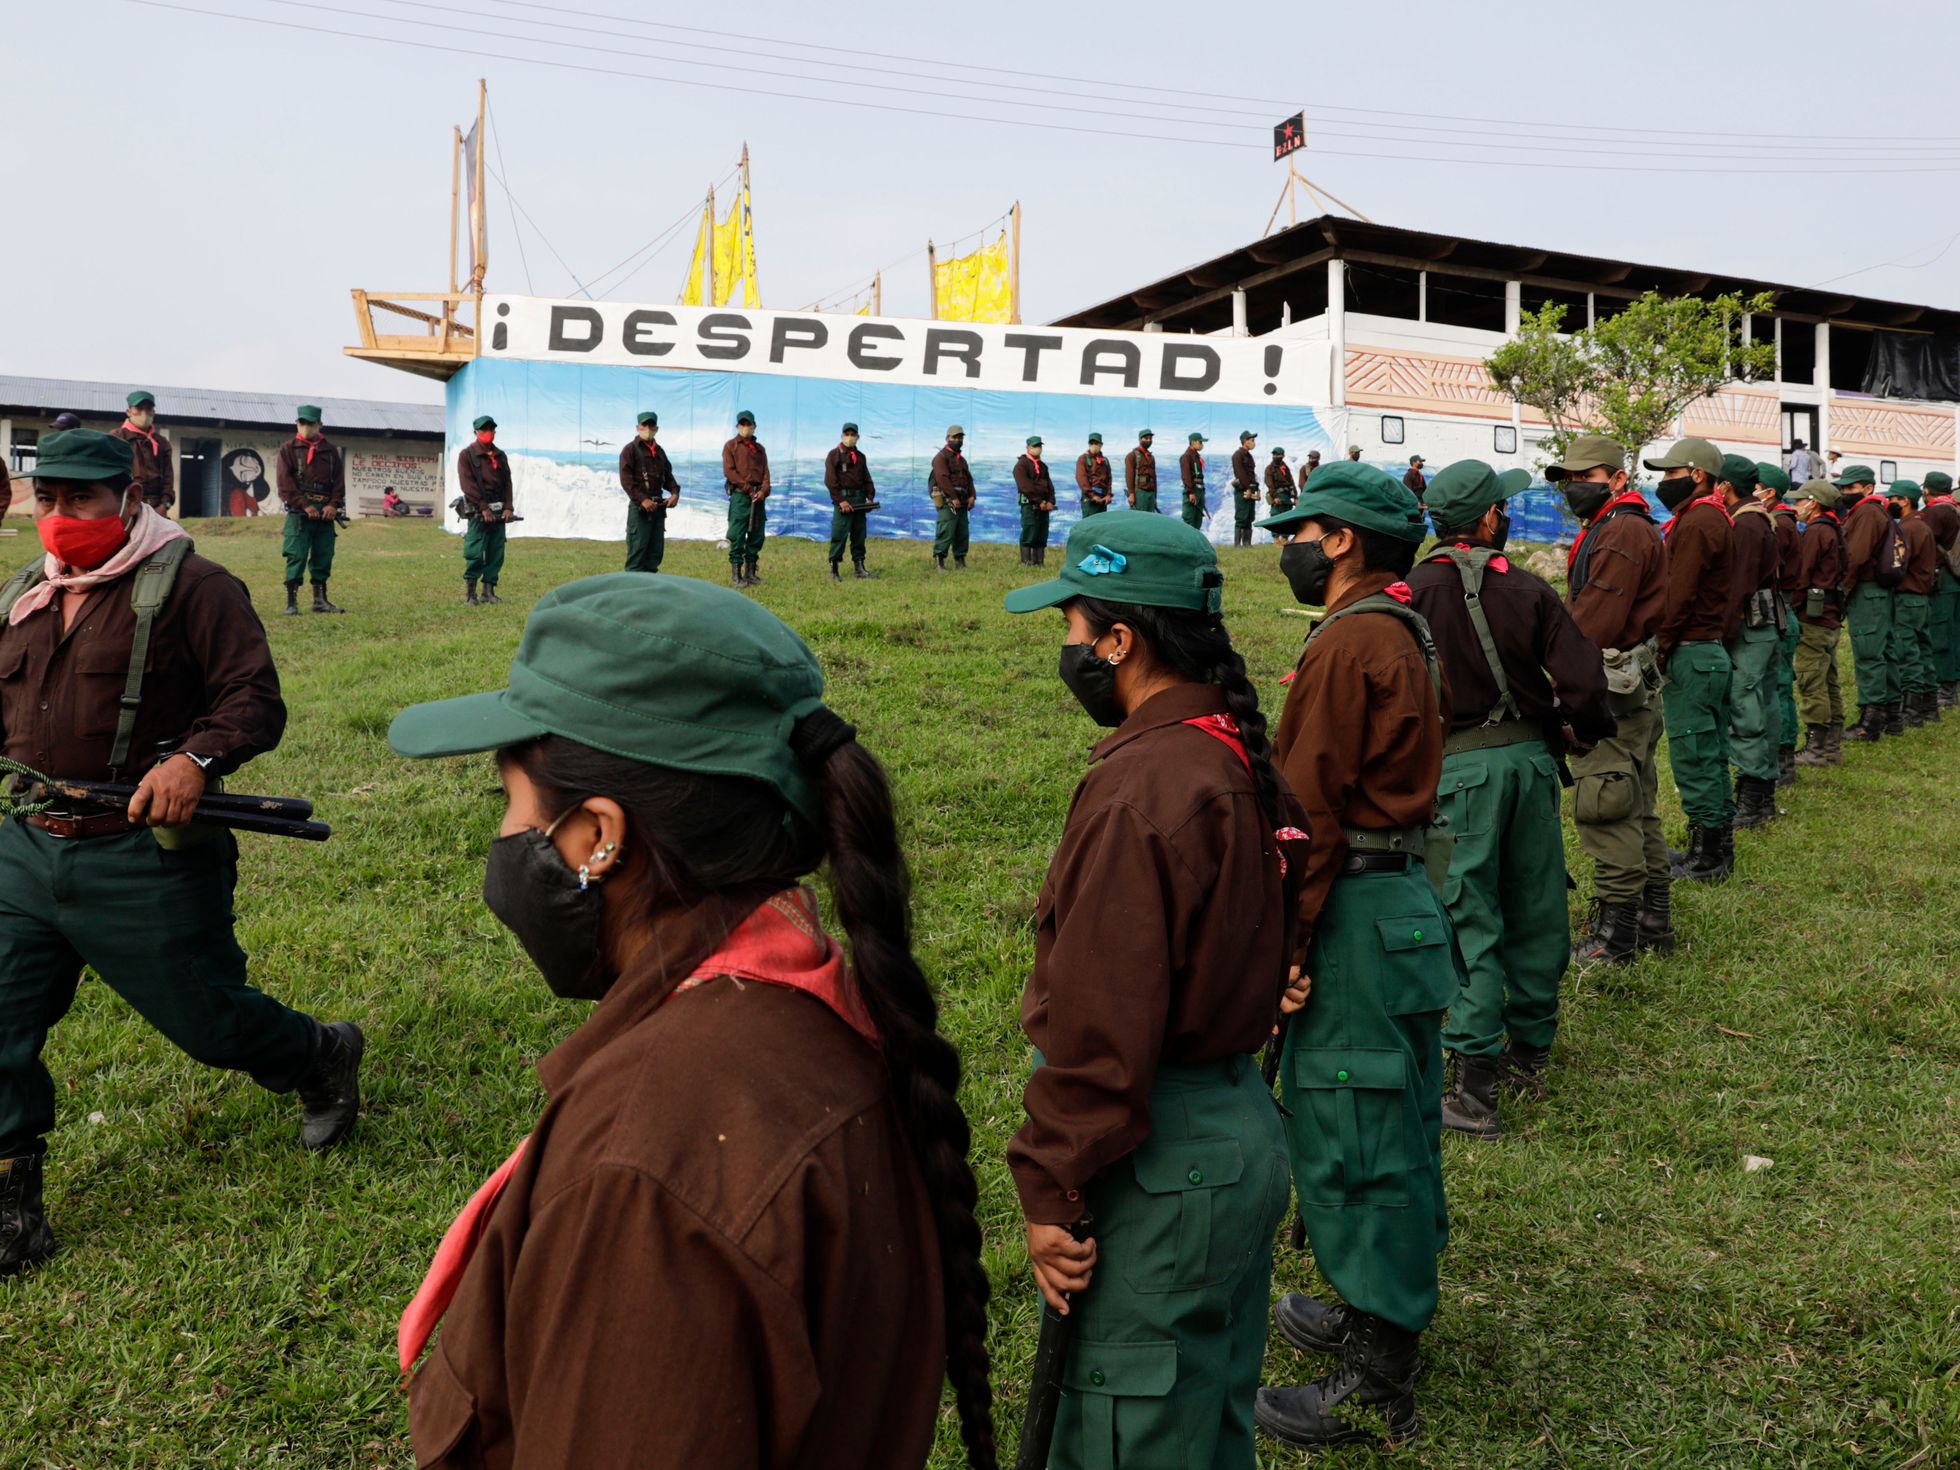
x=1152, y=1167
x=742, y=1231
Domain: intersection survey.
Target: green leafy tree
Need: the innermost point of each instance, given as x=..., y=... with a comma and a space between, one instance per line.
x=1633, y=374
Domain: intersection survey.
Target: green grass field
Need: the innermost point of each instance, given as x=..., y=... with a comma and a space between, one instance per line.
x=1618, y=1290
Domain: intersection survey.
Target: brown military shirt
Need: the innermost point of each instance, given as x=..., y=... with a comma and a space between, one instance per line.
x=1412, y=478
x=1753, y=566
x=1941, y=514
x=1789, y=532
x=1140, y=470
x=1618, y=605
x=716, y=1250
x=1360, y=740
x=1922, y=555
x=1191, y=468
x=952, y=478
x=1279, y=480
x=210, y=686
x=1864, y=533
x=154, y=473
x=6, y=489
x=1092, y=476
x=1536, y=637
x=1699, y=562
x=1820, y=564
x=1245, y=473
x=745, y=467
x=311, y=472
x=645, y=472
x=484, y=473
x=1032, y=481
x=847, y=476
x=1159, y=941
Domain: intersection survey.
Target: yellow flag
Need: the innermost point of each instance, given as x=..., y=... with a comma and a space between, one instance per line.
x=694, y=293
x=976, y=287
x=733, y=243
x=864, y=309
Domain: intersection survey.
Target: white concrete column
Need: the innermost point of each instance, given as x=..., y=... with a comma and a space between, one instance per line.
x=1513, y=306
x=1337, y=332
x=1422, y=296
x=1821, y=379
x=1238, y=315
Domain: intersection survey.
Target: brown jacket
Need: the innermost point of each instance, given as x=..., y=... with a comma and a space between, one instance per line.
x=716, y=1251
x=1789, y=533
x=1864, y=533
x=1092, y=476
x=1752, y=549
x=1700, y=555
x=1139, y=470
x=1360, y=740
x=154, y=474
x=1032, y=482
x=952, y=478
x=1191, y=469
x=1922, y=555
x=311, y=473
x=1820, y=563
x=1245, y=473
x=210, y=685
x=847, y=476
x=745, y=467
x=1159, y=941
x=6, y=489
x=1619, y=604
x=1412, y=478
x=484, y=472
x=645, y=473
x=1941, y=515
x=1279, y=480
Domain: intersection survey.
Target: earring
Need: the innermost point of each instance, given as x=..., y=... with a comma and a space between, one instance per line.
x=584, y=877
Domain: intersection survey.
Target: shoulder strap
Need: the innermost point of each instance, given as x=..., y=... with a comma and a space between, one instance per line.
x=35, y=571
x=1471, y=562
x=1418, y=626
x=149, y=586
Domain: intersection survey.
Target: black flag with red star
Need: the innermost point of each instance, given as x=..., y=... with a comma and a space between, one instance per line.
x=1289, y=136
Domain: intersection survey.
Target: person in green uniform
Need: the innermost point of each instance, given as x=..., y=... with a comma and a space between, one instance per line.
x=1868, y=603
x=1245, y=489
x=489, y=506
x=1092, y=478
x=847, y=476
x=1910, y=651
x=647, y=477
x=1772, y=491
x=1754, y=641
x=745, y=470
x=952, y=501
x=1149, y=1132
x=1944, y=517
x=1520, y=673
x=1140, y=474
x=1360, y=742
x=311, y=474
x=1819, y=582
x=106, y=683
x=1280, y=490
x=1035, y=491
x=1191, y=470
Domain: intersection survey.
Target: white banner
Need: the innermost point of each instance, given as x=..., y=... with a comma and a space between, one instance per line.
x=905, y=350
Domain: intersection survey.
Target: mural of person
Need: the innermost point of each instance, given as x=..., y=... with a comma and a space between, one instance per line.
x=241, y=473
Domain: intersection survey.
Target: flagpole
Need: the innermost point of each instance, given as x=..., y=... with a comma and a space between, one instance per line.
x=878, y=294
x=482, y=205
x=1014, y=277
x=932, y=282
x=745, y=236
x=709, y=298
x=455, y=188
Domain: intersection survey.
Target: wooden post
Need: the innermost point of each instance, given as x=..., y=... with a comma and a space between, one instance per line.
x=878, y=294
x=482, y=209
x=932, y=282
x=744, y=223
x=1014, y=269
x=708, y=254
x=455, y=188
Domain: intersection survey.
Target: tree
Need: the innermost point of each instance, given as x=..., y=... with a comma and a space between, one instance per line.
x=1633, y=374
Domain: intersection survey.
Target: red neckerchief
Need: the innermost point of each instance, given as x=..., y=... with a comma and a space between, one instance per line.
x=156, y=447
x=1709, y=499
x=311, y=445
x=1040, y=465
x=781, y=942
x=489, y=448
x=1225, y=730
x=1400, y=592
x=1782, y=507
x=953, y=451
x=1827, y=515
x=1939, y=500
x=1625, y=497
x=852, y=453
x=1498, y=562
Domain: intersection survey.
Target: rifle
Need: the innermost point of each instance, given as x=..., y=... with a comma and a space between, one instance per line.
x=274, y=816
x=1045, y=1382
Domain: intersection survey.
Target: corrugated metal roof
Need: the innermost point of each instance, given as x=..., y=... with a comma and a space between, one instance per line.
x=211, y=405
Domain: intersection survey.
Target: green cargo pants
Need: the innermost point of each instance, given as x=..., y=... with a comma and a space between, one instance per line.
x=949, y=533
x=1946, y=627
x=308, y=544
x=1171, y=1333
x=646, y=539
x=483, y=551
x=1362, y=1077
x=1869, y=616
x=1244, y=512
x=1194, y=515
x=847, y=526
x=1616, y=801
x=1819, y=699
x=748, y=521
x=156, y=926
x=1146, y=500
x=1695, y=705
x=1787, y=730
x=1034, y=527
x=1092, y=508
x=1752, y=702
x=1506, y=896
x=1909, y=650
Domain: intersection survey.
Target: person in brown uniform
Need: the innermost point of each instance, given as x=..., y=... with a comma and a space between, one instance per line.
x=156, y=472
x=1140, y=474
x=853, y=494
x=1616, y=585
x=1772, y=492
x=1911, y=649
x=1755, y=638
x=1281, y=492
x=1094, y=478
x=311, y=474
x=646, y=474
x=1191, y=470
x=1944, y=517
x=1818, y=582
x=952, y=501
x=1360, y=743
x=1035, y=489
x=6, y=489
x=1245, y=489
x=745, y=470
x=489, y=506
x=1868, y=604
x=742, y=1231
x=126, y=657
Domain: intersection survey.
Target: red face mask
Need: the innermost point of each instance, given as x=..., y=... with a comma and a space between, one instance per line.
x=486, y=436
x=82, y=544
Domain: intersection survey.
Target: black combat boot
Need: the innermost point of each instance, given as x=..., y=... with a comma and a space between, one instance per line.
x=939, y=563
x=1895, y=718
x=1613, y=936
x=330, y=1093
x=959, y=563
x=1717, y=859
x=1371, y=1396
x=1786, y=765
x=1834, y=749
x=1311, y=1325
x=1525, y=1068
x=1816, y=747
x=749, y=571
x=1950, y=694
x=469, y=591
x=292, y=600
x=1678, y=862
x=320, y=603
x=1755, y=801
x=835, y=574
x=735, y=577
x=1654, y=927
x=1913, y=714
x=1041, y=556
x=1871, y=724
x=1470, y=1103
x=858, y=571
x=25, y=1238
x=490, y=592
x=1929, y=706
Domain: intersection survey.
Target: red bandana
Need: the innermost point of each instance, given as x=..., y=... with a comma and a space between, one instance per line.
x=1400, y=592
x=156, y=447
x=1625, y=497
x=1939, y=500
x=311, y=445
x=1225, y=730
x=1710, y=499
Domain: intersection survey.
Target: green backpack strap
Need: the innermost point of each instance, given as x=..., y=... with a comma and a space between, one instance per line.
x=34, y=572
x=1471, y=562
x=149, y=586
x=1414, y=621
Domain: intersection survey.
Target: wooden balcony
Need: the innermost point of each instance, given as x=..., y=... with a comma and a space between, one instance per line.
x=443, y=343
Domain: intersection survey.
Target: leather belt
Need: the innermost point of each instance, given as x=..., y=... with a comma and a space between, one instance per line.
x=101, y=824
x=1377, y=862
x=1489, y=737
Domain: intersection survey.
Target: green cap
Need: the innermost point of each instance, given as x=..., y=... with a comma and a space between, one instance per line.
x=1821, y=491
x=1739, y=471
x=848, y=429
x=1855, y=474
x=309, y=413
x=1416, y=459
x=142, y=398
x=1904, y=490
x=1513, y=482
x=1146, y=433
x=1358, y=494
x=1461, y=493
x=1587, y=452
x=745, y=417
x=480, y=423
x=1279, y=451
x=649, y=420
x=1095, y=438
x=667, y=670
x=1939, y=482
x=1245, y=434
x=1197, y=438
x=1151, y=560
x=83, y=454
x=1696, y=454
x=1033, y=439
x=954, y=431
x=1771, y=477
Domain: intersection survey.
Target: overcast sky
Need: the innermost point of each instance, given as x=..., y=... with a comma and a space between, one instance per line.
x=191, y=197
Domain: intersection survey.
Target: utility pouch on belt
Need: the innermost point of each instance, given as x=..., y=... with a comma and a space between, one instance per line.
x=1629, y=669
x=939, y=500
x=1760, y=610
x=1819, y=600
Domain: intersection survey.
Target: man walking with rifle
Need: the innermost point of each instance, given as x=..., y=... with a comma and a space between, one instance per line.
x=312, y=477
x=120, y=589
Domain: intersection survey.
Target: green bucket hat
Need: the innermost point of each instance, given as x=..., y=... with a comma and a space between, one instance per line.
x=1821, y=491
x=1154, y=561
x=1358, y=494
x=1740, y=471
x=667, y=670
x=1587, y=452
x=141, y=398
x=1461, y=493
x=1771, y=477
x=1855, y=474
x=650, y=420
x=306, y=413
x=1939, y=482
x=1904, y=490
x=83, y=454
x=1685, y=454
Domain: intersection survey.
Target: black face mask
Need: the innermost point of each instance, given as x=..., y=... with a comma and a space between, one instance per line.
x=531, y=891
x=1674, y=493
x=1898, y=511
x=1306, y=567
x=1503, y=531
x=1092, y=681
x=1585, y=497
